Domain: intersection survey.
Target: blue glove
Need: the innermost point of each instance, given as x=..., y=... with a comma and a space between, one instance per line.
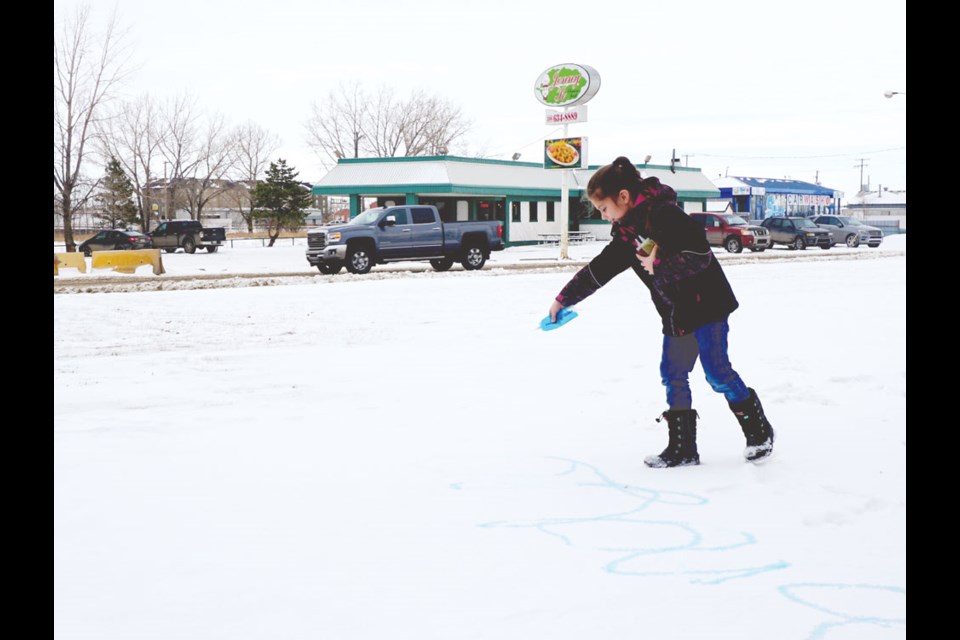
x=563, y=317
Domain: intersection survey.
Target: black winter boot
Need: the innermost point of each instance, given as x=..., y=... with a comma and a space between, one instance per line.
x=681, y=449
x=756, y=427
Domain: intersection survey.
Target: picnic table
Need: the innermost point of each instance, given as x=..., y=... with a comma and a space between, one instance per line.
x=574, y=237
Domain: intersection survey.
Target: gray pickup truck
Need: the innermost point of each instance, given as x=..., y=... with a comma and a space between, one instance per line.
x=402, y=233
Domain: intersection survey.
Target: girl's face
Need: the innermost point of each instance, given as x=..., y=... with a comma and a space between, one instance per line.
x=615, y=208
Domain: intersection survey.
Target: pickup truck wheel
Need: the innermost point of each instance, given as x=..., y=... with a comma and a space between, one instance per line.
x=329, y=269
x=441, y=264
x=189, y=246
x=733, y=245
x=799, y=244
x=212, y=248
x=359, y=261
x=853, y=241
x=473, y=258
x=170, y=249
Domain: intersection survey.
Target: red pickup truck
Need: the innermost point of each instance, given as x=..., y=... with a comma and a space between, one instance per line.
x=733, y=233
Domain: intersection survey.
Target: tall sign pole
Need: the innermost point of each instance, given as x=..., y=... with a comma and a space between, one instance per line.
x=564, y=206
x=566, y=86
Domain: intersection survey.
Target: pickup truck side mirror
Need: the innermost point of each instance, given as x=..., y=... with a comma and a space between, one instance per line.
x=387, y=222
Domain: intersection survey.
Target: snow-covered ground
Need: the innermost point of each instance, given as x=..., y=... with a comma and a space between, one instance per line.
x=251, y=263
x=405, y=455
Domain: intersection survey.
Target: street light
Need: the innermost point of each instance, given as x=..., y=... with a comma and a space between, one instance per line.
x=890, y=94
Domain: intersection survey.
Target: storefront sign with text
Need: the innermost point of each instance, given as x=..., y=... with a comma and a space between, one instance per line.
x=567, y=85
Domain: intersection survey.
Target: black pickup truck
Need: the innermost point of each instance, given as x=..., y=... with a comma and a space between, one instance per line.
x=188, y=235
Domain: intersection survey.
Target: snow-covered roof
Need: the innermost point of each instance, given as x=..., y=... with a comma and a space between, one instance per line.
x=879, y=198
x=783, y=185
x=476, y=176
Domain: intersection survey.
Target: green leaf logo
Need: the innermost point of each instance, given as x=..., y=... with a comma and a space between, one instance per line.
x=567, y=85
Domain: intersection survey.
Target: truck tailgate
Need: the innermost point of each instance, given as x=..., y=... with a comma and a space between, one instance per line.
x=213, y=234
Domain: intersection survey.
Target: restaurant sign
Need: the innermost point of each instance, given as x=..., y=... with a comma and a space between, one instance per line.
x=567, y=116
x=567, y=85
x=565, y=153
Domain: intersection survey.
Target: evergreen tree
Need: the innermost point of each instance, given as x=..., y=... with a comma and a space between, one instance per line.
x=115, y=197
x=279, y=200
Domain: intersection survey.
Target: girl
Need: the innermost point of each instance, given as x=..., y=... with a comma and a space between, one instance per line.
x=690, y=292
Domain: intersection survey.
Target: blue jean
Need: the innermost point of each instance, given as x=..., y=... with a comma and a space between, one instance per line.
x=680, y=354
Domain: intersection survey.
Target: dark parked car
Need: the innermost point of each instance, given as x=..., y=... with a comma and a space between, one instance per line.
x=796, y=232
x=114, y=239
x=850, y=231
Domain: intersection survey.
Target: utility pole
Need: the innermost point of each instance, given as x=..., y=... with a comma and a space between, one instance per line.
x=863, y=163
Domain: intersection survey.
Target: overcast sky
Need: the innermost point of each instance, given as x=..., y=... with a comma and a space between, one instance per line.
x=743, y=87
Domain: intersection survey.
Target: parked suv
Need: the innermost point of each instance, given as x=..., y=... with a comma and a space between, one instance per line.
x=850, y=231
x=733, y=233
x=796, y=232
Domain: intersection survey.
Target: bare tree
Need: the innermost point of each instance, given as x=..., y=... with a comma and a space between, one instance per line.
x=384, y=125
x=212, y=162
x=336, y=127
x=179, y=120
x=253, y=146
x=350, y=122
x=87, y=69
x=134, y=136
x=446, y=125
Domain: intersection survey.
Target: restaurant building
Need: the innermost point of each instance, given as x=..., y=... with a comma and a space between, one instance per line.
x=522, y=195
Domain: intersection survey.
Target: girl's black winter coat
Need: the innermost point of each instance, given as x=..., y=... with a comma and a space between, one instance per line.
x=688, y=288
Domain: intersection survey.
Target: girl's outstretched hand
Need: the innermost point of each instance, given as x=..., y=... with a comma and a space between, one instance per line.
x=554, y=310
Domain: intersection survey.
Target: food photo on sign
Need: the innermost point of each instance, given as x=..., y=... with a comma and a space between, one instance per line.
x=565, y=153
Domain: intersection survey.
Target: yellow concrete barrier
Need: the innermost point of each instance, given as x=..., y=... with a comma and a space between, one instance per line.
x=128, y=261
x=75, y=260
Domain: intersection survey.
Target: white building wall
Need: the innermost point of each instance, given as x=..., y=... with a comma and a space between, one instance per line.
x=525, y=230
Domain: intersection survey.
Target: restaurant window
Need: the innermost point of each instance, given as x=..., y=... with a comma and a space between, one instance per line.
x=533, y=211
x=514, y=212
x=550, y=206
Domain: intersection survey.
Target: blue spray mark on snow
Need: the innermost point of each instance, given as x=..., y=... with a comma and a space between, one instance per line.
x=691, y=541
x=685, y=538
x=820, y=632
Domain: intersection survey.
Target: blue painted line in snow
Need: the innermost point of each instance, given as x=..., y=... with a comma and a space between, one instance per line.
x=693, y=542
x=819, y=632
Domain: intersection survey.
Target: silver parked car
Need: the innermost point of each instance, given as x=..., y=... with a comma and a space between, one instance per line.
x=849, y=231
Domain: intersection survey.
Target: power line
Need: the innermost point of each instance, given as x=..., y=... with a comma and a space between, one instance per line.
x=537, y=139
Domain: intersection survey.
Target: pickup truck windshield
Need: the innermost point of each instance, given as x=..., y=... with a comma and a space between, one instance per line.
x=367, y=217
x=735, y=220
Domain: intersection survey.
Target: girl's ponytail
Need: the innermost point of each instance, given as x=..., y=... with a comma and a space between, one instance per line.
x=610, y=179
